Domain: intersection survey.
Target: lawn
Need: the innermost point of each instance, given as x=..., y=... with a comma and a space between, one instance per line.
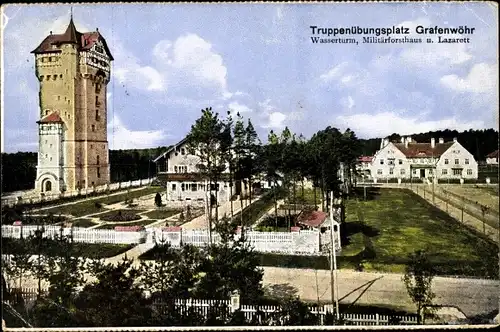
x=52, y=248
x=93, y=206
x=112, y=225
x=396, y=222
x=161, y=214
x=257, y=209
x=83, y=222
x=305, y=197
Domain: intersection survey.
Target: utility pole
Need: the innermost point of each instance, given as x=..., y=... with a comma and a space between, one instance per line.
x=333, y=262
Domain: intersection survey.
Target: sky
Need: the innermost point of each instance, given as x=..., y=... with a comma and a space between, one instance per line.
x=172, y=60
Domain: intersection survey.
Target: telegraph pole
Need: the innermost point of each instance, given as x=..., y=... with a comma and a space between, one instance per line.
x=333, y=262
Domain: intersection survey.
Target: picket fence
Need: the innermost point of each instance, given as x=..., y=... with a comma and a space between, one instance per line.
x=251, y=312
x=304, y=242
x=33, y=197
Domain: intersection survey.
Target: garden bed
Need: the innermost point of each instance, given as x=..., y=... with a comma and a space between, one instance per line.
x=83, y=223
x=135, y=223
x=121, y=215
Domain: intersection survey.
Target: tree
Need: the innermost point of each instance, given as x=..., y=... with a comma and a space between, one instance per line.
x=114, y=299
x=228, y=266
x=418, y=280
x=208, y=141
x=252, y=149
x=239, y=154
x=158, y=200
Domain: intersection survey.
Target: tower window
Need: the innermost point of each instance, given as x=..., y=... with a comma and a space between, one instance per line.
x=93, y=127
x=97, y=117
x=97, y=160
x=98, y=172
x=58, y=97
x=48, y=77
x=60, y=75
x=50, y=59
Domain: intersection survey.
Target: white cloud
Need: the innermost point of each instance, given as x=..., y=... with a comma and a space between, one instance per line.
x=334, y=73
x=386, y=123
x=275, y=121
x=192, y=58
x=129, y=71
x=481, y=78
x=236, y=107
x=347, y=102
x=120, y=137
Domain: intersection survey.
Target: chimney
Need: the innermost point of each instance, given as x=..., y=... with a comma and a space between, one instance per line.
x=407, y=140
x=402, y=139
x=441, y=140
x=454, y=139
x=433, y=142
x=386, y=142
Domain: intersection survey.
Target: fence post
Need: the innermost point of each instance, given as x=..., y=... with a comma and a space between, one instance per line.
x=462, y=214
x=377, y=318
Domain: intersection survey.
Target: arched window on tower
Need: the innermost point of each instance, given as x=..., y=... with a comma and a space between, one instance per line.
x=97, y=159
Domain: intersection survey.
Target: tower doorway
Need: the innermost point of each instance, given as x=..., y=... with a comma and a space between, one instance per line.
x=47, y=185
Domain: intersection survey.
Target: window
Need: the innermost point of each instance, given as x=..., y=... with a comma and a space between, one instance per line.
x=93, y=183
x=58, y=97
x=97, y=103
x=183, y=151
x=400, y=161
x=391, y=171
x=193, y=186
x=97, y=160
x=444, y=171
x=98, y=172
x=456, y=161
x=50, y=59
x=414, y=172
x=430, y=171
x=457, y=172
x=390, y=162
x=93, y=127
x=97, y=88
x=466, y=161
x=97, y=117
x=51, y=145
x=175, y=169
x=402, y=171
x=381, y=161
x=91, y=146
x=469, y=171
x=182, y=186
x=379, y=171
x=50, y=158
x=174, y=187
x=446, y=162
x=99, y=49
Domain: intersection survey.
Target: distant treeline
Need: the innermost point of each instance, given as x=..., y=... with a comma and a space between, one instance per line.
x=478, y=142
x=19, y=169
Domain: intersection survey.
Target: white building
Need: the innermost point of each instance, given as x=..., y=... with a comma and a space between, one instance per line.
x=179, y=171
x=409, y=159
x=492, y=158
x=50, y=170
x=364, y=166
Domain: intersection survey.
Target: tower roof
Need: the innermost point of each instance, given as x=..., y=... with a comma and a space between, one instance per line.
x=71, y=35
x=84, y=41
x=51, y=118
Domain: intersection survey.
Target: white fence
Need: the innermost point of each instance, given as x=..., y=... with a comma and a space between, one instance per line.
x=34, y=197
x=294, y=243
x=79, y=234
x=251, y=312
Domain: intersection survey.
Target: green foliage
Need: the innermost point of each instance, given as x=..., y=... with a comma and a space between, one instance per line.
x=418, y=281
x=114, y=299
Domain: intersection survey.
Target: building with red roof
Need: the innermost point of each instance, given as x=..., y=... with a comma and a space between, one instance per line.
x=492, y=158
x=435, y=159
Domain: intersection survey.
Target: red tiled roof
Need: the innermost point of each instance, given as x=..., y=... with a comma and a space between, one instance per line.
x=85, y=41
x=313, y=219
x=51, y=118
x=494, y=154
x=365, y=159
x=423, y=149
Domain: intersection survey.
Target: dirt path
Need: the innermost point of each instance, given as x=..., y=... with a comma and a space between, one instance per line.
x=472, y=296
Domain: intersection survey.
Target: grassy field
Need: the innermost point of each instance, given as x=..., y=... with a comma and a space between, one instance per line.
x=396, y=222
x=112, y=225
x=161, y=214
x=483, y=195
x=83, y=208
x=51, y=248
